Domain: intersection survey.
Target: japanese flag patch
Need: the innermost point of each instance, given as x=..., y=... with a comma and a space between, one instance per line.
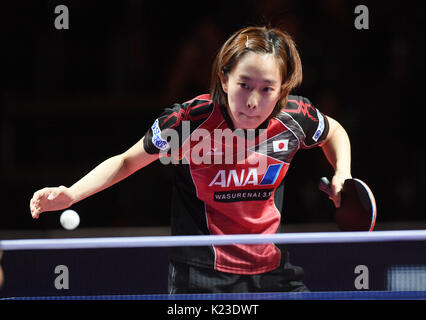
x=280, y=145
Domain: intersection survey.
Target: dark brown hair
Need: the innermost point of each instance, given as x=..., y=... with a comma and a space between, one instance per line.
x=258, y=40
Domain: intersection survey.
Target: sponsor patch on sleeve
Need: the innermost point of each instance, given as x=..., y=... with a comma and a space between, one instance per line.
x=320, y=128
x=157, y=140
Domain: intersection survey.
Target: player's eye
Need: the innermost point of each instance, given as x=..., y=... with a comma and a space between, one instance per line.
x=267, y=89
x=243, y=85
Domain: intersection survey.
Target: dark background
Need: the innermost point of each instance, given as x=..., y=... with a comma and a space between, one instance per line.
x=72, y=98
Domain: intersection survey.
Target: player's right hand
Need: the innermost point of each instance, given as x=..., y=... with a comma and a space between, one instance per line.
x=50, y=199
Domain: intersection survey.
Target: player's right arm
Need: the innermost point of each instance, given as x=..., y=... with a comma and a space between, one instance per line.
x=101, y=177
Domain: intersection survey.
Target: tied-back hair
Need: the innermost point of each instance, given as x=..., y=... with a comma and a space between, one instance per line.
x=259, y=40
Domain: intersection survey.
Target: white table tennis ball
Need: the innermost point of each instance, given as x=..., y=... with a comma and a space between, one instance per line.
x=69, y=219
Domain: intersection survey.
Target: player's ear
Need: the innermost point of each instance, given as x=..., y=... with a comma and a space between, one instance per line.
x=224, y=81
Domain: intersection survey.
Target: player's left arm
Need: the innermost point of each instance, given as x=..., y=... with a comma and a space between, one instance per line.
x=337, y=149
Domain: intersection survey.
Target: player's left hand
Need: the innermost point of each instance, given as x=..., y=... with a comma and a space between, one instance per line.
x=337, y=186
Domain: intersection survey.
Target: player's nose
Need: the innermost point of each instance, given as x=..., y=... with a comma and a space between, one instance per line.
x=253, y=100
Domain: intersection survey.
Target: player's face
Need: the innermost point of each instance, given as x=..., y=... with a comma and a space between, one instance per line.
x=253, y=87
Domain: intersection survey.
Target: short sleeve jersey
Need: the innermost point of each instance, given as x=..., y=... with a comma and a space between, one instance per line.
x=225, y=178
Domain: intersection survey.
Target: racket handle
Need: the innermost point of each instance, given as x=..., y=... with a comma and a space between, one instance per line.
x=324, y=186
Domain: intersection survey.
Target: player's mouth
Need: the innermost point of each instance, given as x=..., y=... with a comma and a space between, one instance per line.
x=248, y=117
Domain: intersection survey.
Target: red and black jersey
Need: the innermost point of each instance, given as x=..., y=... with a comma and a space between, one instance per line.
x=225, y=178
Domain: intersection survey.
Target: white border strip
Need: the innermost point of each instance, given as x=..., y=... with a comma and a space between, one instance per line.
x=176, y=241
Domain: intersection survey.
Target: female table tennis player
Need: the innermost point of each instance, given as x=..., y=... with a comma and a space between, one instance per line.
x=252, y=77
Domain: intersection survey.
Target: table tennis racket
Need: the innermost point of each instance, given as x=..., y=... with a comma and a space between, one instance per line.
x=357, y=211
